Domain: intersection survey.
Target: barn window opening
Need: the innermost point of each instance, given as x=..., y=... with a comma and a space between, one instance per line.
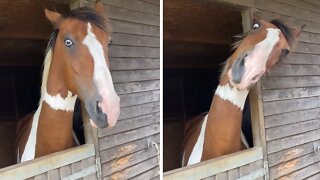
x=198, y=37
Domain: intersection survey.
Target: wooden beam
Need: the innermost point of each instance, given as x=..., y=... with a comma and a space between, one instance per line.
x=211, y=167
x=46, y=163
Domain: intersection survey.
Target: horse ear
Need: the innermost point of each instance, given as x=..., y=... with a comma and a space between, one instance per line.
x=54, y=17
x=297, y=32
x=99, y=7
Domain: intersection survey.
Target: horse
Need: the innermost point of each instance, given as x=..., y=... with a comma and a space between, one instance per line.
x=76, y=65
x=218, y=132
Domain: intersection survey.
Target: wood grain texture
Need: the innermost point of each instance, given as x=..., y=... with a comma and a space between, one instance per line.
x=292, y=129
x=135, y=169
x=127, y=148
x=122, y=138
x=291, y=153
x=138, y=6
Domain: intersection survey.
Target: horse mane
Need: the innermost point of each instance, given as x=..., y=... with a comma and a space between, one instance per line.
x=84, y=14
x=286, y=31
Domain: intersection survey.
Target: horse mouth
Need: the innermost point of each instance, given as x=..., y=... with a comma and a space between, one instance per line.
x=97, y=117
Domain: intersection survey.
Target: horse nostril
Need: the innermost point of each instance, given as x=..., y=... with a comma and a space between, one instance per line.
x=98, y=108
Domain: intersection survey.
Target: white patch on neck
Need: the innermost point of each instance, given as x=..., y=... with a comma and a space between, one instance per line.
x=59, y=103
x=197, y=150
x=55, y=102
x=233, y=95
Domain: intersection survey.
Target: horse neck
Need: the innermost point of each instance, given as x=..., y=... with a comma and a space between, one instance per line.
x=223, y=127
x=56, y=110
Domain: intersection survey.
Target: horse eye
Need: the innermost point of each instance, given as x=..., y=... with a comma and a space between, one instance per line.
x=256, y=26
x=110, y=42
x=284, y=52
x=68, y=42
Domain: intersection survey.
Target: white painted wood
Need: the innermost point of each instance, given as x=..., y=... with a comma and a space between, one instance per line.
x=44, y=164
x=215, y=166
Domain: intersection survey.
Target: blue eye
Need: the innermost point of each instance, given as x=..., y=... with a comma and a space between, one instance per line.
x=68, y=42
x=110, y=42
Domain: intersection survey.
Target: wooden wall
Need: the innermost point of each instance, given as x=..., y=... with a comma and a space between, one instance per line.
x=135, y=64
x=291, y=94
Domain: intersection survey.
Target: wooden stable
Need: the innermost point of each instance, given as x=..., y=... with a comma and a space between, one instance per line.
x=284, y=104
x=123, y=152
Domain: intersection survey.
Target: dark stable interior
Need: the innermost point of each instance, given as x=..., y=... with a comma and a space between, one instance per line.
x=24, y=34
x=197, y=40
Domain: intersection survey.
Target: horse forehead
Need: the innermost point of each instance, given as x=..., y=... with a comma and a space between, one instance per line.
x=74, y=27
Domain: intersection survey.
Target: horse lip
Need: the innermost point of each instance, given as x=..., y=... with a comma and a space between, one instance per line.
x=99, y=118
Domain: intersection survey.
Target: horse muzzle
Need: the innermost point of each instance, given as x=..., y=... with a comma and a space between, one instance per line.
x=96, y=114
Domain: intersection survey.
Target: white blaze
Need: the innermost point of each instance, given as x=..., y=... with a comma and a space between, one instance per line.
x=102, y=78
x=233, y=95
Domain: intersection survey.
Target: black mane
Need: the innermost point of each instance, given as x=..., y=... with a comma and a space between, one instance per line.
x=286, y=31
x=83, y=14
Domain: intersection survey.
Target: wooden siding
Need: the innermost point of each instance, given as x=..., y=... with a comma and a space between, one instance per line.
x=135, y=67
x=291, y=94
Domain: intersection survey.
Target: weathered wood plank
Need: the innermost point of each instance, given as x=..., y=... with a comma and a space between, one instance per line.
x=222, y=176
x=127, y=148
x=309, y=37
x=134, y=63
x=47, y=163
x=134, y=28
x=65, y=171
x=302, y=47
x=292, y=93
x=233, y=174
x=277, y=107
x=139, y=98
x=288, y=142
x=132, y=87
x=76, y=167
x=53, y=174
x=139, y=110
x=135, y=75
x=127, y=161
x=216, y=165
x=287, y=10
x=292, y=22
x=41, y=177
x=139, y=6
x=291, y=153
x=133, y=51
x=135, y=170
x=291, y=129
x=314, y=177
x=290, y=82
x=297, y=58
x=295, y=70
x=244, y=170
x=294, y=165
x=126, y=125
x=86, y=163
x=150, y=174
x=301, y=4
x=134, y=40
x=291, y=117
x=157, y=2
x=122, y=14
x=117, y=139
